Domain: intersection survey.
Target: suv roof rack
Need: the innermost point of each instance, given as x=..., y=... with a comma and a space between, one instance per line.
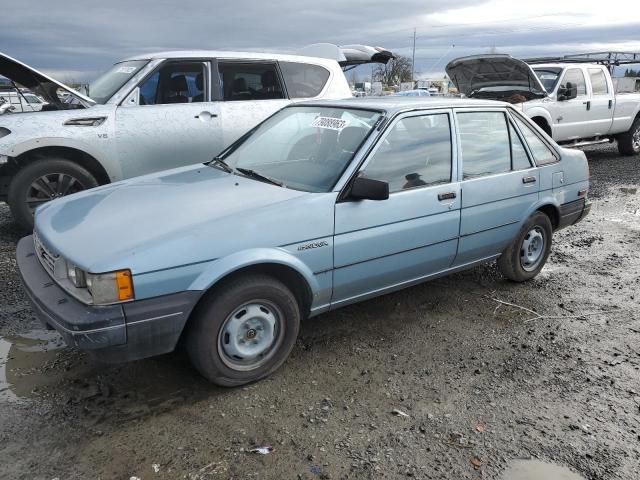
x=608, y=59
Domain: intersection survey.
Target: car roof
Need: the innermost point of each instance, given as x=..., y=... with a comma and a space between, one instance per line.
x=394, y=104
x=563, y=65
x=187, y=54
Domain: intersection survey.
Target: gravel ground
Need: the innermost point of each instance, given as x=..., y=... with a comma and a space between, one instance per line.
x=482, y=386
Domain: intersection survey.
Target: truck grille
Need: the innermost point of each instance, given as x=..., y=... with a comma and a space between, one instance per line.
x=47, y=259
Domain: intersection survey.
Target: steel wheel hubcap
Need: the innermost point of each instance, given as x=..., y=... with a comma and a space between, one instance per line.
x=250, y=334
x=532, y=249
x=51, y=186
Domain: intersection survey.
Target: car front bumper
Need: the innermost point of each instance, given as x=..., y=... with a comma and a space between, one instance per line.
x=112, y=333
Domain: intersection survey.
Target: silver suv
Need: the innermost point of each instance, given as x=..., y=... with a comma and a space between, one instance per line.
x=153, y=112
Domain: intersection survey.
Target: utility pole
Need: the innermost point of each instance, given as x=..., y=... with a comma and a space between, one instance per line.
x=413, y=56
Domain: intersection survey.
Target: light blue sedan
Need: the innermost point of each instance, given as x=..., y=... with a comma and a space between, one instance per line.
x=322, y=205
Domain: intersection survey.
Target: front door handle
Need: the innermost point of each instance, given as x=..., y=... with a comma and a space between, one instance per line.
x=205, y=115
x=588, y=104
x=446, y=196
x=528, y=179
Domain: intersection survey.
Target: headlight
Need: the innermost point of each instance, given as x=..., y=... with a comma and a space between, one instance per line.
x=76, y=276
x=110, y=287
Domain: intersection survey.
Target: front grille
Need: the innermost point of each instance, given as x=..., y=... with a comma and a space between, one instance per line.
x=47, y=259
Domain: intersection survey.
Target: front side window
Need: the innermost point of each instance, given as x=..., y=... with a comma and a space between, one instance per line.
x=304, y=80
x=305, y=148
x=175, y=82
x=598, y=81
x=250, y=81
x=542, y=154
x=105, y=86
x=576, y=77
x=415, y=153
x=485, y=143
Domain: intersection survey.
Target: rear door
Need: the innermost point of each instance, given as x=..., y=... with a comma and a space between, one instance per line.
x=386, y=244
x=499, y=183
x=171, y=121
x=601, y=111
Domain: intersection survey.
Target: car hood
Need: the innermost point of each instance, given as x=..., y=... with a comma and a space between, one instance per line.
x=494, y=77
x=40, y=83
x=177, y=217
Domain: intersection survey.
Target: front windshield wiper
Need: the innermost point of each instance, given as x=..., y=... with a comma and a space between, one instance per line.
x=259, y=176
x=221, y=163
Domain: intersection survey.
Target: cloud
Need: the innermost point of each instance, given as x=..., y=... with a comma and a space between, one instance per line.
x=83, y=38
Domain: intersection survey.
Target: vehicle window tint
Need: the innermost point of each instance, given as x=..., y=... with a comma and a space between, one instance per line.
x=415, y=153
x=250, y=81
x=575, y=76
x=542, y=154
x=598, y=81
x=519, y=158
x=484, y=141
x=304, y=80
x=179, y=82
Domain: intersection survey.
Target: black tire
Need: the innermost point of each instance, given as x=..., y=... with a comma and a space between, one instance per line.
x=49, y=169
x=208, y=338
x=629, y=142
x=511, y=262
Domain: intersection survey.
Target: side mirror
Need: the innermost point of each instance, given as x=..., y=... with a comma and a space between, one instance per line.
x=369, y=189
x=567, y=92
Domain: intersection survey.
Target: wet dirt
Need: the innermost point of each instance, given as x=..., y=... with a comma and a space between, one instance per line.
x=482, y=383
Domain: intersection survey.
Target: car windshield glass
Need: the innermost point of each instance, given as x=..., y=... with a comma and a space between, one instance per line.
x=105, y=86
x=305, y=148
x=548, y=77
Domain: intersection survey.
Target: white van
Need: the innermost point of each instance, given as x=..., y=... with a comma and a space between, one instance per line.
x=20, y=101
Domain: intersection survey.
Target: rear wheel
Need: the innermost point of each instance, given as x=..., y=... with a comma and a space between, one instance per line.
x=42, y=181
x=629, y=142
x=527, y=254
x=244, y=330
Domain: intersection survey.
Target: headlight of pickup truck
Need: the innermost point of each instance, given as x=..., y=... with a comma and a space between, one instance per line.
x=110, y=287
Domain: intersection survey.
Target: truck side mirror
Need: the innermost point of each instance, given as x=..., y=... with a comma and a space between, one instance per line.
x=369, y=189
x=567, y=92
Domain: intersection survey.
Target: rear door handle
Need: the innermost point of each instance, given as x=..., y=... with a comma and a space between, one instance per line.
x=446, y=196
x=528, y=179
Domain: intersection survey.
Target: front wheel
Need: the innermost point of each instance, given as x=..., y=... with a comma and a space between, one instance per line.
x=244, y=330
x=629, y=142
x=528, y=253
x=42, y=181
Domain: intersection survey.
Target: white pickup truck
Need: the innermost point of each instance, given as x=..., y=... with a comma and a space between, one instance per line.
x=574, y=103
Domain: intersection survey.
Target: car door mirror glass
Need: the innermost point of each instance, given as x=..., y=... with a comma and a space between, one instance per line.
x=369, y=189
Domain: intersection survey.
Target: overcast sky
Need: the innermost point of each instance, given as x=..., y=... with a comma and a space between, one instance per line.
x=74, y=40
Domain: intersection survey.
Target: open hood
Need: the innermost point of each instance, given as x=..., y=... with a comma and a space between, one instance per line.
x=348, y=55
x=495, y=77
x=42, y=84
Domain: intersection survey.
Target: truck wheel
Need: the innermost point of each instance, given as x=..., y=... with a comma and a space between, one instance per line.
x=244, y=330
x=629, y=142
x=42, y=181
x=527, y=254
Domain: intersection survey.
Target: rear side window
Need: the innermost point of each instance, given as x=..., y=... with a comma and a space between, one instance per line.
x=485, y=143
x=542, y=154
x=598, y=81
x=304, y=80
x=250, y=81
x=519, y=157
x=575, y=76
x=415, y=153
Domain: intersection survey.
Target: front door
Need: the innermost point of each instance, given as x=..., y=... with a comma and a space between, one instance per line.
x=570, y=116
x=499, y=184
x=172, y=123
x=387, y=244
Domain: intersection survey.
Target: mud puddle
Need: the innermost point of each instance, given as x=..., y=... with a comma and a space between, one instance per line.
x=24, y=361
x=538, y=470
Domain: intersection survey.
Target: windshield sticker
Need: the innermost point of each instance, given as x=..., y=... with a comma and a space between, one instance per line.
x=329, y=123
x=126, y=70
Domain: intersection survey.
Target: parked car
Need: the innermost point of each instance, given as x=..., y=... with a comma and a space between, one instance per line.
x=574, y=103
x=21, y=101
x=322, y=205
x=413, y=93
x=153, y=112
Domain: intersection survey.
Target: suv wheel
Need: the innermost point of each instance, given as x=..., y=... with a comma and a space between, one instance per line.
x=629, y=142
x=42, y=181
x=244, y=330
x=527, y=254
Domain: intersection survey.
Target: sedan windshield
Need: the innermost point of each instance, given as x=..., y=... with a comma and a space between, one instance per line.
x=305, y=148
x=548, y=77
x=105, y=86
